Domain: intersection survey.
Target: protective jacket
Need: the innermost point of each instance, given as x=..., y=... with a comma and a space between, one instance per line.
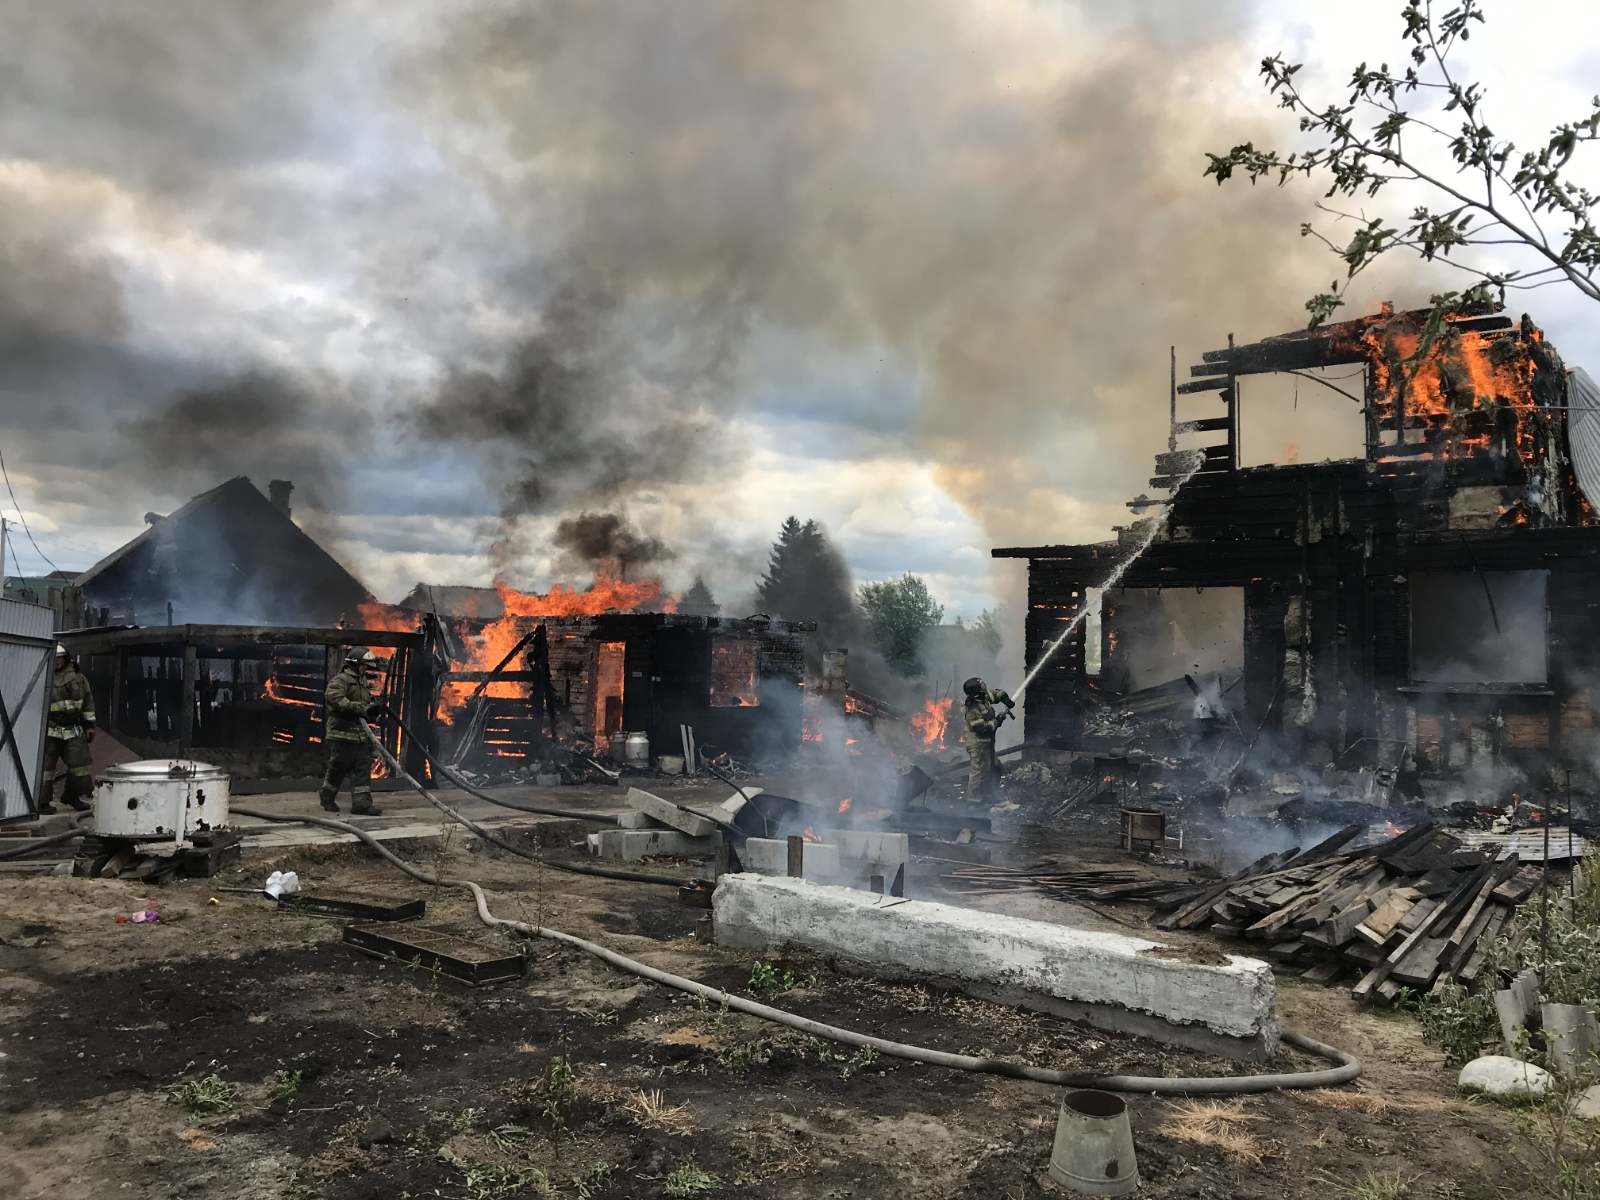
x=347, y=699
x=982, y=717
x=71, y=705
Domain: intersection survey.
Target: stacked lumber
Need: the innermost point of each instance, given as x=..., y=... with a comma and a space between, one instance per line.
x=1416, y=911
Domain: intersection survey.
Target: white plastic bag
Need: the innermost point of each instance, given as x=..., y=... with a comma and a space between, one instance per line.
x=282, y=883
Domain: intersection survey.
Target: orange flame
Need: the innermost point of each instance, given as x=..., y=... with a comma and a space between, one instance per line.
x=810, y=835
x=844, y=805
x=485, y=649
x=1470, y=389
x=933, y=721
x=272, y=691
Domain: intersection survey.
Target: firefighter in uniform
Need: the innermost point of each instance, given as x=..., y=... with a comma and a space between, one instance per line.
x=67, y=739
x=983, y=723
x=348, y=700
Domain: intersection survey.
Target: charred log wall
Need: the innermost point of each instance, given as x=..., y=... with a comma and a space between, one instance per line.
x=1325, y=554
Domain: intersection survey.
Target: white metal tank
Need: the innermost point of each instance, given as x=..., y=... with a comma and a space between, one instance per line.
x=160, y=798
x=636, y=750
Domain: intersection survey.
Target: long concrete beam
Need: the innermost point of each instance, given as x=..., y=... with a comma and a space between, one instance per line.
x=1129, y=984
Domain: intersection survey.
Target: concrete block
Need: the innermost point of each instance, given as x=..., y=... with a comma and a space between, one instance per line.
x=729, y=808
x=637, y=820
x=891, y=850
x=670, y=814
x=770, y=856
x=630, y=845
x=1112, y=980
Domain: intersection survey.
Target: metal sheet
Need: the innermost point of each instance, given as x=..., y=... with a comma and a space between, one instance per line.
x=26, y=644
x=1583, y=430
x=1527, y=843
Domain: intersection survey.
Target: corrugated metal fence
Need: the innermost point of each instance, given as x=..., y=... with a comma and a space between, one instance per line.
x=1583, y=431
x=26, y=648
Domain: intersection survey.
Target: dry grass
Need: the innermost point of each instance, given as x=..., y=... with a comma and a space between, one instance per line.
x=1218, y=1124
x=1355, y=1100
x=1372, y=1104
x=650, y=1110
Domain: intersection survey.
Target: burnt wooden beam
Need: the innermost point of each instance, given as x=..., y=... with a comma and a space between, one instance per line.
x=159, y=639
x=1217, y=383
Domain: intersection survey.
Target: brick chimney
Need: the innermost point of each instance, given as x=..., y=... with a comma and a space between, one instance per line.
x=278, y=492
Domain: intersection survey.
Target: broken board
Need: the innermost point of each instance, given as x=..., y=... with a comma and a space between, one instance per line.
x=337, y=902
x=473, y=963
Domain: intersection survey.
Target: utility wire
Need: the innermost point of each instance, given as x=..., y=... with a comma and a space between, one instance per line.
x=20, y=517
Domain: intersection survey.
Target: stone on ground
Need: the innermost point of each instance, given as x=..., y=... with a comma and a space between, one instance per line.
x=1589, y=1105
x=1498, y=1075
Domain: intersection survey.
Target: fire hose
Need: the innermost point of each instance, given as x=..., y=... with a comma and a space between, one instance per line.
x=459, y=780
x=27, y=846
x=1348, y=1067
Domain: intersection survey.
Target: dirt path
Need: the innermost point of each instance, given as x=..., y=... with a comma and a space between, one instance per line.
x=351, y=1077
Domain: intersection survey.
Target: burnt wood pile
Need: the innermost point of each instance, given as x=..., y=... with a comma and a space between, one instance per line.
x=1416, y=911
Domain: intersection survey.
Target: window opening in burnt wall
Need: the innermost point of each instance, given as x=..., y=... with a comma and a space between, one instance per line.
x=733, y=673
x=1153, y=637
x=609, y=688
x=1485, y=627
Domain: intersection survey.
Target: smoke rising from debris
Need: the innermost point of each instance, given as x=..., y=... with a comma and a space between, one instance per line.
x=575, y=230
x=607, y=543
x=923, y=178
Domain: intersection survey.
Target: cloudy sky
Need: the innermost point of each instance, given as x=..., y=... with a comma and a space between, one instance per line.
x=910, y=267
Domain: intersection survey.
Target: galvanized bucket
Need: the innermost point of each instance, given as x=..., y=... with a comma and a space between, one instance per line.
x=1093, y=1152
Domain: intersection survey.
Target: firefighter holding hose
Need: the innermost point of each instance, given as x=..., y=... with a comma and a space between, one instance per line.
x=67, y=739
x=348, y=699
x=986, y=710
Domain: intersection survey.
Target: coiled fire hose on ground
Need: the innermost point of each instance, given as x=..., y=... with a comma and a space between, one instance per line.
x=1347, y=1070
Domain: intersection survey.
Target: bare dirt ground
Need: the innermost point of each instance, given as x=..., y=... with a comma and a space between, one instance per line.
x=351, y=1077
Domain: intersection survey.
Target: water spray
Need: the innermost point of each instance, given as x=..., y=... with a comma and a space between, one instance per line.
x=1190, y=468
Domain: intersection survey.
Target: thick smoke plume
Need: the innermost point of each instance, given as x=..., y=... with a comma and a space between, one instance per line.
x=588, y=247
x=607, y=543
x=1012, y=212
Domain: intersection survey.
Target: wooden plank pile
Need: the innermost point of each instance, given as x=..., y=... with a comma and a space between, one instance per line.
x=1415, y=911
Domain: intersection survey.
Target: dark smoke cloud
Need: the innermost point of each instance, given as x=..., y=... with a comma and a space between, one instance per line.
x=577, y=230
x=262, y=424
x=575, y=418
x=607, y=542
x=1022, y=229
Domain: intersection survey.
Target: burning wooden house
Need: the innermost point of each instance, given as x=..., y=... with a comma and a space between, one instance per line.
x=569, y=670
x=1433, y=598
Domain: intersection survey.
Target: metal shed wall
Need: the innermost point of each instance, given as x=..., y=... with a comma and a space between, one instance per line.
x=26, y=645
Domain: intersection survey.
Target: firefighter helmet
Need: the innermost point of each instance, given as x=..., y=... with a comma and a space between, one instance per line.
x=973, y=686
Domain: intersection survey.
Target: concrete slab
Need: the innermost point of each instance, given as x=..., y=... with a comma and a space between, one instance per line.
x=770, y=856
x=729, y=808
x=890, y=850
x=630, y=845
x=671, y=815
x=637, y=820
x=1112, y=980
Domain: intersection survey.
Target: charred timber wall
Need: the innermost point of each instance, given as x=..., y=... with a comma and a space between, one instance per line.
x=1324, y=554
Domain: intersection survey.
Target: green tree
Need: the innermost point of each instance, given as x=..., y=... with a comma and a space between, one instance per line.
x=1484, y=194
x=898, y=612
x=986, y=632
x=807, y=580
x=698, y=601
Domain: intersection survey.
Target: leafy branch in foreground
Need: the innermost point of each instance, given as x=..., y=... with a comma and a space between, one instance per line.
x=1485, y=193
